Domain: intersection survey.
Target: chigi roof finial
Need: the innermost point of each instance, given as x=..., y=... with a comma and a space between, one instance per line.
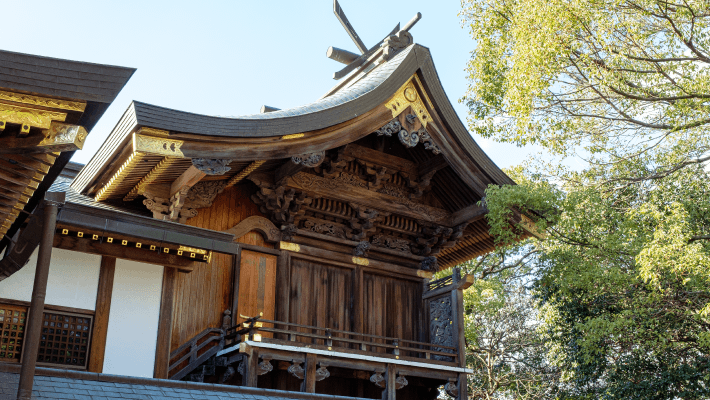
x=394, y=41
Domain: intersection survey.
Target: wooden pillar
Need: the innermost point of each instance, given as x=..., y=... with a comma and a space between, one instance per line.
x=165, y=324
x=283, y=286
x=457, y=315
x=462, y=387
x=235, y=288
x=390, y=392
x=250, y=379
x=102, y=311
x=358, y=301
x=39, y=291
x=309, y=379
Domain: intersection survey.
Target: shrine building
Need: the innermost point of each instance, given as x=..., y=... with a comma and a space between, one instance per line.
x=287, y=254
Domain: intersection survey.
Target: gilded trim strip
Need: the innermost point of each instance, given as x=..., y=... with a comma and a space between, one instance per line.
x=245, y=172
x=118, y=176
x=157, y=145
x=42, y=101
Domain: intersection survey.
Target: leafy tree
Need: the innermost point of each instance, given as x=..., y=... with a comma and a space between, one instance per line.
x=622, y=88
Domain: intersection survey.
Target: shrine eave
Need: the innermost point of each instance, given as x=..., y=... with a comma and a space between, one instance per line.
x=342, y=117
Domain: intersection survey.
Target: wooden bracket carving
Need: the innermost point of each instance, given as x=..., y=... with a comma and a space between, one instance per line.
x=322, y=373
x=378, y=380
x=264, y=367
x=296, y=370
x=228, y=374
x=400, y=382
x=212, y=166
x=452, y=389
x=271, y=233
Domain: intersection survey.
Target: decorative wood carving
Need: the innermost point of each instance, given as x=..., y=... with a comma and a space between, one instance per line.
x=391, y=128
x=441, y=329
x=309, y=160
x=322, y=373
x=212, y=166
x=281, y=204
x=393, y=44
x=408, y=139
x=400, y=382
x=325, y=227
x=363, y=222
x=428, y=143
x=429, y=264
x=202, y=195
x=264, y=367
x=391, y=242
x=262, y=225
x=361, y=249
x=378, y=380
x=242, y=368
x=436, y=237
x=287, y=231
x=452, y=389
x=296, y=370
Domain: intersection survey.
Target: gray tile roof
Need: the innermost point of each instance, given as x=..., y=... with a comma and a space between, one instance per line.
x=52, y=387
x=63, y=78
x=341, y=106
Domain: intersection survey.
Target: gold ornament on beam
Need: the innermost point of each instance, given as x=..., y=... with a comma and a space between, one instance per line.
x=157, y=145
x=28, y=116
x=408, y=96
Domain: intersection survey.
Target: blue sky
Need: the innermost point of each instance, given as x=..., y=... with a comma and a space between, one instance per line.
x=229, y=58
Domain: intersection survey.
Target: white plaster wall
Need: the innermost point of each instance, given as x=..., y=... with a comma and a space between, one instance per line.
x=133, y=320
x=73, y=280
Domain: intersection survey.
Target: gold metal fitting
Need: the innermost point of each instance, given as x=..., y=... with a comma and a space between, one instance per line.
x=94, y=237
x=152, y=247
x=65, y=231
x=109, y=240
x=80, y=234
x=124, y=242
x=138, y=245
x=179, y=252
x=166, y=250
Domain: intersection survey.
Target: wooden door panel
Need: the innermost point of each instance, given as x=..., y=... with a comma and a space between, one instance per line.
x=257, y=285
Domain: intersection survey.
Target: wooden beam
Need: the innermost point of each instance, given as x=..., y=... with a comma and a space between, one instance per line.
x=165, y=324
x=188, y=179
x=433, y=164
x=128, y=253
x=287, y=170
x=101, y=314
x=469, y=214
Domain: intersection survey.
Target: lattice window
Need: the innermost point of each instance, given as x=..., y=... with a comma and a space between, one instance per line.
x=65, y=339
x=12, y=332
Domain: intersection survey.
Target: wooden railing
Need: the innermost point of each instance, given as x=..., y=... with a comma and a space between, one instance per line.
x=445, y=281
x=193, y=353
x=299, y=335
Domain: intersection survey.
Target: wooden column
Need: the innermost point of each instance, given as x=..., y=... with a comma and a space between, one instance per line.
x=462, y=387
x=309, y=380
x=39, y=291
x=165, y=324
x=102, y=311
x=250, y=379
x=358, y=301
x=283, y=286
x=237, y=262
x=390, y=392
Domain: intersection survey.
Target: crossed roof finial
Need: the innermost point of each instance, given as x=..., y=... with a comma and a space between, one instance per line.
x=351, y=59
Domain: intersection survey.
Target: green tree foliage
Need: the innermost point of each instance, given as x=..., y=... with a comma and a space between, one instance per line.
x=622, y=278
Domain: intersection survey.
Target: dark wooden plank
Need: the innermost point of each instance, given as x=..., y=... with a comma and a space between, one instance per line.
x=165, y=323
x=237, y=260
x=48, y=307
x=471, y=213
x=104, y=294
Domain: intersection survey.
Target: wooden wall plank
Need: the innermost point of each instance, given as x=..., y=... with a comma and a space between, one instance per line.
x=103, y=307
